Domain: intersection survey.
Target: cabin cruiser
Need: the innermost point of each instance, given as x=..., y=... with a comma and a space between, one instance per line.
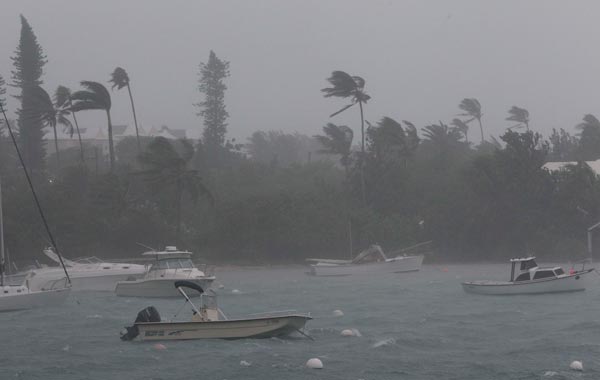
x=167, y=267
x=87, y=274
x=209, y=322
x=370, y=261
x=531, y=279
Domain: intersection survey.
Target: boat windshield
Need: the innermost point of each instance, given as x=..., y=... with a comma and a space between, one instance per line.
x=526, y=265
x=173, y=264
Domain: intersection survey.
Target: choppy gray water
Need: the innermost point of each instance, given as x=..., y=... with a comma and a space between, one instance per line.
x=414, y=326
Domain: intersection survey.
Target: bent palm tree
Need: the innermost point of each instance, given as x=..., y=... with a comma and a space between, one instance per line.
x=96, y=97
x=353, y=87
x=337, y=140
x=120, y=79
x=520, y=116
x=472, y=109
x=62, y=100
x=165, y=168
x=44, y=111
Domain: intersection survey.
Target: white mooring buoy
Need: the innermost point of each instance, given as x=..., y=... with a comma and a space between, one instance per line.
x=338, y=313
x=347, y=332
x=576, y=365
x=314, y=363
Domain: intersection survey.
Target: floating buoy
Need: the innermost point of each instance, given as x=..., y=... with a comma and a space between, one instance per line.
x=235, y=291
x=550, y=373
x=66, y=348
x=338, y=313
x=347, y=332
x=576, y=365
x=244, y=363
x=445, y=270
x=159, y=346
x=314, y=363
x=221, y=286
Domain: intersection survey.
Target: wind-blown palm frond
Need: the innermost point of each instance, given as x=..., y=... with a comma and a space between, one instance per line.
x=62, y=97
x=520, y=116
x=96, y=97
x=119, y=78
x=589, y=121
x=462, y=126
x=472, y=109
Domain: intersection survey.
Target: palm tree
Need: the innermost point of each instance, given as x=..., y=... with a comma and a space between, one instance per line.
x=412, y=136
x=62, y=100
x=441, y=135
x=96, y=97
x=520, y=116
x=472, y=109
x=589, y=140
x=337, y=140
x=45, y=111
x=353, y=87
x=120, y=79
x=462, y=127
x=165, y=168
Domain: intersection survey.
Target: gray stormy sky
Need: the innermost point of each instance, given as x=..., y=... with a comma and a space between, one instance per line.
x=419, y=58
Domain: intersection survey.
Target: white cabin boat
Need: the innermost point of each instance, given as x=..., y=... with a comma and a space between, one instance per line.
x=531, y=279
x=24, y=296
x=87, y=274
x=169, y=266
x=209, y=322
x=371, y=261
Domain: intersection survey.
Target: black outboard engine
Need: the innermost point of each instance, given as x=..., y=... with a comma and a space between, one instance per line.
x=149, y=314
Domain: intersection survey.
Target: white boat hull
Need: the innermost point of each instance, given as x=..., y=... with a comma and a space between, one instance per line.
x=566, y=283
x=81, y=281
x=33, y=299
x=395, y=265
x=157, y=287
x=266, y=327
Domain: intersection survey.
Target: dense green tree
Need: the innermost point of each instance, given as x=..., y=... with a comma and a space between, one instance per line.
x=589, y=141
x=519, y=116
x=29, y=61
x=165, y=169
x=472, y=109
x=337, y=139
x=119, y=79
x=95, y=97
x=48, y=114
x=343, y=85
x=212, y=108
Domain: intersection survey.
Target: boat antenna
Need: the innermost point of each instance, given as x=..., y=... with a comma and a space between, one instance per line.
x=37, y=202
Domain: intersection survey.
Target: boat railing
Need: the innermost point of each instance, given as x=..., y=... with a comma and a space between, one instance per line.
x=275, y=313
x=60, y=283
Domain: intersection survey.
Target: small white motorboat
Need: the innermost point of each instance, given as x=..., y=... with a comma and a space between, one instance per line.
x=209, y=322
x=370, y=261
x=87, y=274
x=169, y=266
x=532, y=279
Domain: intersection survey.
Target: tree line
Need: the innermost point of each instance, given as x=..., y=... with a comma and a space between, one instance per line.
x=281, y=197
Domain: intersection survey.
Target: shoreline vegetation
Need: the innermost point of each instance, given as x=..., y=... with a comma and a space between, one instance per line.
x=282, y=197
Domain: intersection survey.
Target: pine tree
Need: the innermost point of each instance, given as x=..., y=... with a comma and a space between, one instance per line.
x=212, y=109
x=29, y=61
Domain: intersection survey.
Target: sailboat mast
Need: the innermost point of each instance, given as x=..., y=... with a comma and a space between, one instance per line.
x=1, y=239
x=35, y=197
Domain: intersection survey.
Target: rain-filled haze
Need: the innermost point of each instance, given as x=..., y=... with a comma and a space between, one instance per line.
x=419, y=58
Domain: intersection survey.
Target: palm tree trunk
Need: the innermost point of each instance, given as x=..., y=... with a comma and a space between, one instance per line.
x=111, y=148
x=79, y=137
x=481, y=129
x=137, y=133
x=362, y=154
x=56, y=149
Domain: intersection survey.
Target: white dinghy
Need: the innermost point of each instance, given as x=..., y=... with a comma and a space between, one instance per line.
x=169, y=266
x=532, y=279
x=209, y=322
x=370, y=262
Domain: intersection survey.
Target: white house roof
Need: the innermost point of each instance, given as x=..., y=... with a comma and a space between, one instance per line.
x=555, y=166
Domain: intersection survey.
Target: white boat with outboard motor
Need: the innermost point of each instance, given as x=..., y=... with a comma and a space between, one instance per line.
x=167, y=267
x=209, y=322
x=87, y=274
x=370, y=261
x=532, y=279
